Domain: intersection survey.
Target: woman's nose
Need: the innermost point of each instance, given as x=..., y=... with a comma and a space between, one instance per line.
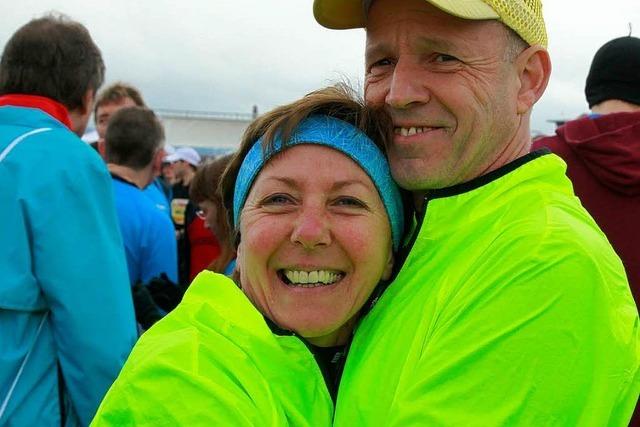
x=311, y=229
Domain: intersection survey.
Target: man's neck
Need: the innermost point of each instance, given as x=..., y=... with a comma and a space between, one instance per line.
x=519, y=144
x=140, y=178
x=611, y=106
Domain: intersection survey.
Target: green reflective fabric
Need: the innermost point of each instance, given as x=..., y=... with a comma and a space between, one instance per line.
x=213, y=361
x=510, y=310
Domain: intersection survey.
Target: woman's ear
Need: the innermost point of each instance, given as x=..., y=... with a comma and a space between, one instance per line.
x=236, y=270
x=388, y=268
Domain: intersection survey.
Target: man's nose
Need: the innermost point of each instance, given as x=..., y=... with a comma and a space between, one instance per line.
x=407, y=86
x=311, y=229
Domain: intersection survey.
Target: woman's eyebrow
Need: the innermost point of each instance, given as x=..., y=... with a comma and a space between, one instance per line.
x=339, y=185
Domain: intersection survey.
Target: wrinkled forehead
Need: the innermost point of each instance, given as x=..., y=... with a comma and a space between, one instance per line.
x=419, y=23
x=116, y=104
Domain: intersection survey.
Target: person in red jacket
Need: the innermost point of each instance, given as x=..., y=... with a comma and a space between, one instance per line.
x=602, y=150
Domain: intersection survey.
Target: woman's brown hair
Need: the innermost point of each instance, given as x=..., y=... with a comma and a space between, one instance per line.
x=339, y=101
x=205, y=186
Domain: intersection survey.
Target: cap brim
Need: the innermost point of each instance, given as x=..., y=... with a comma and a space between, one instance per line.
x=171, y=158
x=339, y=14
x=345, y=14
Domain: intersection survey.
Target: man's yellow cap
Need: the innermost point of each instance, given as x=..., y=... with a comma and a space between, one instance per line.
x=522, y=16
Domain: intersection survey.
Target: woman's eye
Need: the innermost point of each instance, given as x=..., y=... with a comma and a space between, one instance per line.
x=277, y=199
x=350, y=202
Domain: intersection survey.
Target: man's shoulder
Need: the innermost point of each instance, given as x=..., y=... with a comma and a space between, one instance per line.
x=131, y=199
x=535, y=219
x=50, y=142
x=139, y=205
x=550, y=220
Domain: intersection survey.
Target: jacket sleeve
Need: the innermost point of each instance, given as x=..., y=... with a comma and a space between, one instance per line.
x=166, y=383
x=78, y=259
x=545, y=338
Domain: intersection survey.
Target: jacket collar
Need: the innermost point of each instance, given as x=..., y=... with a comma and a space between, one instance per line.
x=48, y=105
x=483, y=180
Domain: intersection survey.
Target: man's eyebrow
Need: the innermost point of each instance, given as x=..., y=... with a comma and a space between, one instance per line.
x=437, y=43
x=377, y=48
x=373, y=50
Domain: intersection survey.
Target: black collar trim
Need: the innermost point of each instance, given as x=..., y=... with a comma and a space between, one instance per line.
x=483, y=180
x=121, y=179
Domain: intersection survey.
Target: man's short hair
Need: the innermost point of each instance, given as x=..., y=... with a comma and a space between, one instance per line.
x=134, y=136
x=515, y=45
x=54, y=57
x=116, y=93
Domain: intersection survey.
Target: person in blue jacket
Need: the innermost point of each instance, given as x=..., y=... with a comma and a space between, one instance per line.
x=66, y=316
x=134, y=151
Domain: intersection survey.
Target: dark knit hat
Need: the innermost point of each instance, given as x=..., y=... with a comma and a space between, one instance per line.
x=615, y=72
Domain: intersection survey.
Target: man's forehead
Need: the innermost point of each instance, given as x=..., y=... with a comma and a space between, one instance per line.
x=114, y=105
x=425, y=24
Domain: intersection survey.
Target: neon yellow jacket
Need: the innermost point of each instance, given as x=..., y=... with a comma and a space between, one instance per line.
x=213, y=361
x=511, y=309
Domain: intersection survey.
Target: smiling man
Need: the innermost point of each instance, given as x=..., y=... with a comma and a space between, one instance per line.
x=510, y=307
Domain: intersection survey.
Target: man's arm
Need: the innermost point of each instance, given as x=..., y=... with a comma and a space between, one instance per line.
x=79, y=261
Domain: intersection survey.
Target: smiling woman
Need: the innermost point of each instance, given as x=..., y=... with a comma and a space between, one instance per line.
x=317, y=219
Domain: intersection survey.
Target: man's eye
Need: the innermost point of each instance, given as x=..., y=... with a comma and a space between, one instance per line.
x=379, y=64
x=443, y=57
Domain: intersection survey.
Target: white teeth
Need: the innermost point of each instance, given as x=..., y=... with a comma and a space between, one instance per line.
x=309, y=279
x=323, y=276
x=313, y=277
x=410, y=131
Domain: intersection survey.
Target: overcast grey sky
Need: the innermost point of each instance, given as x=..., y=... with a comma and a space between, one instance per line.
x=227, y=55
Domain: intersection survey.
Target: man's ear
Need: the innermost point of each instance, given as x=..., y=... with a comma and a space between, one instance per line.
x=534, y=69
x=388, y=268
x=87, y=102
x=102, y=148
x=79, y=116
x=157, y=162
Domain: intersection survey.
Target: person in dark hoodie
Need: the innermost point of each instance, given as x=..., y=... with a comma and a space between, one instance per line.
x=602, y=150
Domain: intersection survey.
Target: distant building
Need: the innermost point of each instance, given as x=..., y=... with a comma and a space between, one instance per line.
x=208, y=132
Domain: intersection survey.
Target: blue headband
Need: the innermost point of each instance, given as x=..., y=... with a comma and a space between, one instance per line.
x=341, y=136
